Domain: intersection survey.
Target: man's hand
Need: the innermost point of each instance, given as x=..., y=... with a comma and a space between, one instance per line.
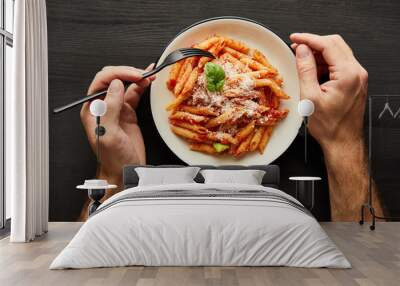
x=337, y=123
x=123, y=143
x=339, y=102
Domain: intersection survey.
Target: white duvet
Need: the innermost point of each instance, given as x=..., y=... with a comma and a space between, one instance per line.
x=200, y=231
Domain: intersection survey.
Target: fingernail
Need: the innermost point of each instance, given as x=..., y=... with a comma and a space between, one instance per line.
x=114, y=87
x=150, y=66
x=302, y=51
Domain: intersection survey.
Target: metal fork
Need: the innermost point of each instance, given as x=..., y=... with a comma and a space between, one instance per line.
x=172, y=58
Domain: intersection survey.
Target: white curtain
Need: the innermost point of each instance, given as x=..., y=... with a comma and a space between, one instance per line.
x=27, y=146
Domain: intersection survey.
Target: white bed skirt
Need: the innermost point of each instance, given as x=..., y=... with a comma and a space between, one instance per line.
x=200, y=232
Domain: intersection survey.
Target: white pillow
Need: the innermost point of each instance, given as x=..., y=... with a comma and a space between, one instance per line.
x=164, y=176
x=247, y=177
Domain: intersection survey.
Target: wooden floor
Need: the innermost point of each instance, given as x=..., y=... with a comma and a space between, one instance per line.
x=375, y=257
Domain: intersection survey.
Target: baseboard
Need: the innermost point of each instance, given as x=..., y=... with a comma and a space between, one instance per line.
x=5, y=231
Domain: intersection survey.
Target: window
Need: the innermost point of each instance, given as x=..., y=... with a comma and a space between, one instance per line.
x=6, y=66
x=9, y=15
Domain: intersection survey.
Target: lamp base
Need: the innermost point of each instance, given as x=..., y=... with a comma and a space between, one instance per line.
x=368, y=206
x=100, y=130
x=95, y=195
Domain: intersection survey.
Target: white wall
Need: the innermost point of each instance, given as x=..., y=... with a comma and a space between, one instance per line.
x=8, y=93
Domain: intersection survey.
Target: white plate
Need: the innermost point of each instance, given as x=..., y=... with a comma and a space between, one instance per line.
x=255, y=36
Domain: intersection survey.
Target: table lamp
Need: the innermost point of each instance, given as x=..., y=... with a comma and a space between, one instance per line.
x=97, y=188
x=98, y=108
x=305, y=108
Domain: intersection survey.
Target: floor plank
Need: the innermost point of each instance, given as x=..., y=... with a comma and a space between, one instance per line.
x=375, y=257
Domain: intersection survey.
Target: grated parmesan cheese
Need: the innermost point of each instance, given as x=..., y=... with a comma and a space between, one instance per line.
x=238, y=94
x=246, y=83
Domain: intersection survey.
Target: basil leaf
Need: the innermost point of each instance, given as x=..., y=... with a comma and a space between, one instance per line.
x=219, y=147
x=220, y=85
x=215, y=76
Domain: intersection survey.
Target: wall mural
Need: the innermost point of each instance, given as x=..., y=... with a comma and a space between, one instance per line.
x=85, y=55
x=385, y=142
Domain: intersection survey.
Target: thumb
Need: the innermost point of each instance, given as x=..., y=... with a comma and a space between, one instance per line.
x=307, y=70
x=114, y=100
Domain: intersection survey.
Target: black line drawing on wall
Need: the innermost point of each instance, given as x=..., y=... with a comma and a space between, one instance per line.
x=380, y=171
x=387, y=108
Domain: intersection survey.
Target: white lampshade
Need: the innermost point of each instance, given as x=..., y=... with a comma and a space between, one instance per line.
x=305, y=107
x=98, y=107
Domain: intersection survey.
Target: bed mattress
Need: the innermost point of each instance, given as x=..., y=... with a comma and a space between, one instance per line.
x=201, y=225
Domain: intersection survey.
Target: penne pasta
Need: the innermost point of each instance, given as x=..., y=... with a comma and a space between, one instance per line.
x=257, y=74
x=201, y=147
x=228, y=57
x=264, y=139
x=223, y=118
x=255, y=140
x=203, y=61
x=183, y=77
x=263, y=109
x=215, y=50
x=182, y=70
x=232, y=149
x=259, y=57
x=174, y=74
x=187, y=134
x=193, y=61
x=254, y=65
x=218, y=47
x=221, y=137
x=233, y=93
x=271, y=96
x=265, y=82
x=237, y=45
x=205, y=45
x=275, y=102
x=234, y=53
x=263, y=100
x=193, y=127
x=187, y=88
x=188, y=117
x=271, y=117
x=205, y=111
x=245, y=132
x=266, y=122
x=244, y=146
x=278, y=79
x=189, y=85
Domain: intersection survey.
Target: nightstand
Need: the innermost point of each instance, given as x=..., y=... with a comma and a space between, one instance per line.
x=96, y=191
x=305, y=190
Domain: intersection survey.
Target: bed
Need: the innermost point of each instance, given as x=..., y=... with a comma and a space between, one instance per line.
x=198, y=224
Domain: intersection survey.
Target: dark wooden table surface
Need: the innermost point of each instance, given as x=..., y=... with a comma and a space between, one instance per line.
x=86, y=35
